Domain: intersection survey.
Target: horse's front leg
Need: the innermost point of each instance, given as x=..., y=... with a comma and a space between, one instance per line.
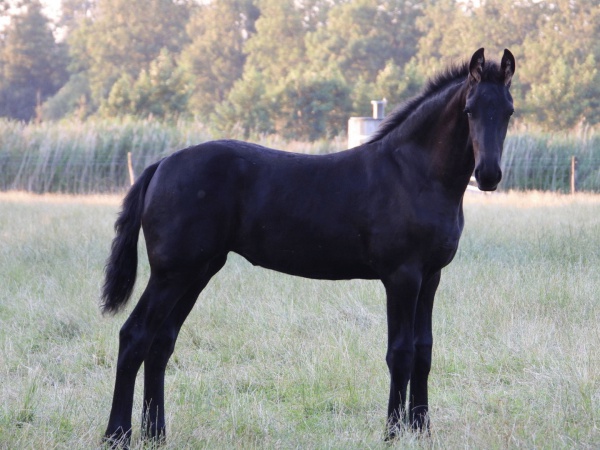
x=418, y=406
x=402, y=289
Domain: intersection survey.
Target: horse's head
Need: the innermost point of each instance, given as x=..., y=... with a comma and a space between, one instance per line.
x=489, y=106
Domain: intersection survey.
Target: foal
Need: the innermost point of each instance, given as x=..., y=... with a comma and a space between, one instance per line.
x=390, y=209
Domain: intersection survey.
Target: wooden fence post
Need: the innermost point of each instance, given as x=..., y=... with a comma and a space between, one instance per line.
x=573, y=174
x=130, y=167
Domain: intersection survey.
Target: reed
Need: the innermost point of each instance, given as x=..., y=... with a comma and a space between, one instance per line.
x=75, y=157
x=91, y=157
x=542, y=161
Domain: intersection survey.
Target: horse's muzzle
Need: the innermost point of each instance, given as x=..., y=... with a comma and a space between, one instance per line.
x=488, y=178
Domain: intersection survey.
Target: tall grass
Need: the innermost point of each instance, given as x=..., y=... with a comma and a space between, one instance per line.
x=271, y=361
x=78, y=157
x=91, y=157
x=542, y=161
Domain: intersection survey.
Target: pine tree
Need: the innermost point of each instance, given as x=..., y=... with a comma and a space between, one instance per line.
x=360, y=37
x=33, y=64
x=560, y=71
x=215, y=57
x=125, y=36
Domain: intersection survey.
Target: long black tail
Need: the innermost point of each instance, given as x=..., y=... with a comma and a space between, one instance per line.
x=121, y=266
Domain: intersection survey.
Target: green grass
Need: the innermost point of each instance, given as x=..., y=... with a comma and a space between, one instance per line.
x=271, y=361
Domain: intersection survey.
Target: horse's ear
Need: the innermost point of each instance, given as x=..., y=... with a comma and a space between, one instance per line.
x=507, y=66
x=476, y=66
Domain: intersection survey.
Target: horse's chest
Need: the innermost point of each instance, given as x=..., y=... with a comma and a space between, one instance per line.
x=440, y=239
x=443, y=248
x=429, y=238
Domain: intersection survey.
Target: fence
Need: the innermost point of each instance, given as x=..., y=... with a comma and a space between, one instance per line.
x=566, y=164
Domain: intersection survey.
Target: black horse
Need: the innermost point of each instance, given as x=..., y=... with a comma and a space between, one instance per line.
x=390, y=209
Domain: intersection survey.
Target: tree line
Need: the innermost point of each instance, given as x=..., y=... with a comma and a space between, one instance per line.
x=297, y=68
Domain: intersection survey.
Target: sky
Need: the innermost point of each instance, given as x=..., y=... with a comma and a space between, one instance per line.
x=52, y=8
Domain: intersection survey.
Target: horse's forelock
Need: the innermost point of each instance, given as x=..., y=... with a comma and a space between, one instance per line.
x=492, y=72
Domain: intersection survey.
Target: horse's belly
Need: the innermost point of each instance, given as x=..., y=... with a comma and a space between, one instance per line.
x=318, y=263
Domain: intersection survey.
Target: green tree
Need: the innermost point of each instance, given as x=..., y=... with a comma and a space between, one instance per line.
x=161, y=91
x=277, y=47
x=560, y=69
x=397, y=84
x=361, y=36
x=312, y=107
x=274, y=50
x=361, y=95
x=438, y=45
x=33, y=64
x=72, y=99
x=215, y=57
x=493, y=24
x=393, y=83
x=74, y=13
x=246, y=110
x=314, y=12
x=119, y=101
x=125, y=36
x=309, y=52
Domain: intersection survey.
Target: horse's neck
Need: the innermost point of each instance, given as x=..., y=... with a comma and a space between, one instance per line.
x=441, y=133
x=452, y=152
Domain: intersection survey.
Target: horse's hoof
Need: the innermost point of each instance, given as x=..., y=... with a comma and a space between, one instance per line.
x=117, y=440
x=392, y=433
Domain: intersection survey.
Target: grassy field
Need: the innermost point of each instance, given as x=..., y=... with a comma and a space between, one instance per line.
x=271, y=361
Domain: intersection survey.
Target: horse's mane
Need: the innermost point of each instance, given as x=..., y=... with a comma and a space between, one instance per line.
x=453, y=75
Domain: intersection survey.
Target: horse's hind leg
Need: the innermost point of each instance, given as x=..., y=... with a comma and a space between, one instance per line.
x=135, y=338
x=153, y=416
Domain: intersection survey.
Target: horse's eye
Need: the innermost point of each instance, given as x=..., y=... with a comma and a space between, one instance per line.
x=467, y=111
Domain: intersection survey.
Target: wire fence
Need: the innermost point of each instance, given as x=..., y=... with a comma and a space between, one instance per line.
x=551, y=163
